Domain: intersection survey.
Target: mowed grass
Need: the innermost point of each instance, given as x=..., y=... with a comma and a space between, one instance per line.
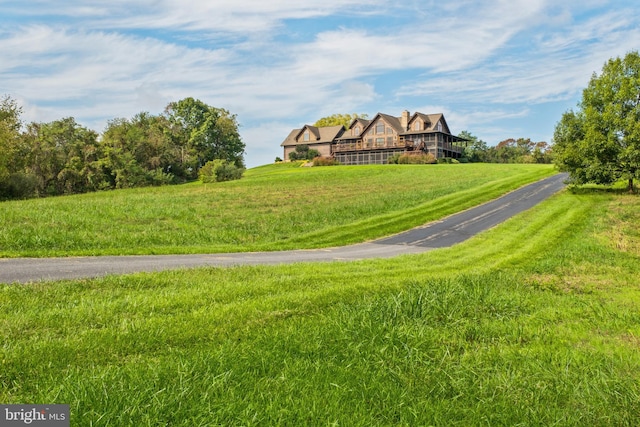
x=274, y=207
x=535, y=322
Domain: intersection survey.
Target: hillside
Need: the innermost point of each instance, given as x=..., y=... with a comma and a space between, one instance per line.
x=274, y=207
x=534, y=322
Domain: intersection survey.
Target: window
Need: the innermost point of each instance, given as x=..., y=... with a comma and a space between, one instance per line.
x=389, y=131
x=305, y=137
x=416, y=126
x=380, y=128
x=379, y=141
x=356, y=131
x=439, y=127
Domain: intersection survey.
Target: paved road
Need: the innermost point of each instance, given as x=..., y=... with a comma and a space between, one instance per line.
x=449, y=231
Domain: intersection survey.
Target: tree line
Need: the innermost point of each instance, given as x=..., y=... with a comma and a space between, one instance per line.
x=521, y=150
x=64, y=157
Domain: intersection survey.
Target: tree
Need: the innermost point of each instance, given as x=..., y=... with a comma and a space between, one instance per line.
x=339, y=119
x=600, y=143
x=542, y=153
x=140, y=152
x=62, y=156
x=81, y=171
x=476, y=149
x=204, y=133
x=10, y=125
x=521, y=150
x=14, y=181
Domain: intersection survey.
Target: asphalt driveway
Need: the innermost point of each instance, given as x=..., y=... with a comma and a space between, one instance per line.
x=446, y=232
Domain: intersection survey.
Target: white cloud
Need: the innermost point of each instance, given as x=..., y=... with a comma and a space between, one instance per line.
x=207, y=17
x=103, y=71
x=480, y=62
x=551, y=68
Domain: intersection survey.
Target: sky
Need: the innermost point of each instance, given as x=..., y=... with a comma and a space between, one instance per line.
x=496, y=68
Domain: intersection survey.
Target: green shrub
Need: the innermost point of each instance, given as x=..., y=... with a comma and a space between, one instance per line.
x=18, y=186
x=416, y=159
x=220, y=170
x=325, y=161
x=449, y=160
x=393, y=160
x=160, y=177
x=303, y=152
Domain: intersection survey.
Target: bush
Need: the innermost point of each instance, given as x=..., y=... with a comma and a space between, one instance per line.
x=312, y=154
x=449, y=160
x=303, y=152
x=160, y=177
x=325, y=161
x=393, y=160
x=219, y=170
x=18, y=186
x=416, y=159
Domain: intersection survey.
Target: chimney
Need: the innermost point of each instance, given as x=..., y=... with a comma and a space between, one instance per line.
x=404, y=120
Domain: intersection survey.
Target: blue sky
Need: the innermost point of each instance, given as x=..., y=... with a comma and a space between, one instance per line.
x=498, y=69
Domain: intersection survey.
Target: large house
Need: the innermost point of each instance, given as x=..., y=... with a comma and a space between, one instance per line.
x=376, y=140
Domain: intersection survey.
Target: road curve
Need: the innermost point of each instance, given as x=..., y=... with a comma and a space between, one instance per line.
x=438, y=234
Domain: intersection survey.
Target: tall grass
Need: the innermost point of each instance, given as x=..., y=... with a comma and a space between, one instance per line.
x=534, y=322
x=272, y=208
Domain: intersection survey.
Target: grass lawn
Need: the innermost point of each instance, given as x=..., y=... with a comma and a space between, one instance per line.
x=274, y=207
x=534, y=322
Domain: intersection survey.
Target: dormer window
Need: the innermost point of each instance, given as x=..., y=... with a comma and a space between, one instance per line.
x=305, y=136
x=416, y=126
x=356, y=131
x=439, y=127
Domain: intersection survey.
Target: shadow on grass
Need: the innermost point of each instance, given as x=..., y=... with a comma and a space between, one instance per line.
x=600, y=189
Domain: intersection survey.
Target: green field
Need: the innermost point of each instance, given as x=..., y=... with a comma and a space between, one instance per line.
x=274, y=207
x=534, y=322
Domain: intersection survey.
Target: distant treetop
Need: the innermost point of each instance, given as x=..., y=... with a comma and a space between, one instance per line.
x=339, y=119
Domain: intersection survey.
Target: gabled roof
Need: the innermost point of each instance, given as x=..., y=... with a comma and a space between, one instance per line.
x=363, y=122
x=291, y=138
x=319, y=135
x=392, y=121
x=425, y=117
x=432, y=121
x=314, y=131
